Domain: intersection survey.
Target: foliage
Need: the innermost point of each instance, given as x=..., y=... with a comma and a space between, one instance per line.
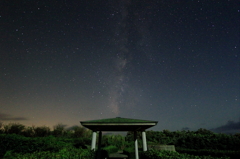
x=111, y=149
x=79, y=131
x=200, y=142
x=13, y=128
x=214, y=141
x=29, y=132
x=213, y=153
x=12, y=142
x=66, y=153
x=165, y=137
x=204, y=132
x=200, y=139
x=81, y=142
x=58, y=130
x=129, y=150
x=17, y=139
x=20, y=144
x=155, y=154
x=237, y=135
x=114, y=140
x=41, y=131
x=1, y=128
x=130, y=136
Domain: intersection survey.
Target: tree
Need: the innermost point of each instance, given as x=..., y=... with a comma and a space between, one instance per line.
x=58, y=130
x=204, y=132
x=29, y=132
x=78, y=131
x=1, y=127
x=14, y=128
x=42, y=131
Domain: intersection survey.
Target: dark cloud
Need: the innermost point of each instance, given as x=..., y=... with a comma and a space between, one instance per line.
x=229, y=127
x=185, y=128
x=7, y=117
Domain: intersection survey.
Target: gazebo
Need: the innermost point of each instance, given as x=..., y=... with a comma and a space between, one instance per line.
x=119, y=124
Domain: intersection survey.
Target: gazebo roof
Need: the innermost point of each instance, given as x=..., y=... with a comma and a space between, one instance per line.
x=118, y=124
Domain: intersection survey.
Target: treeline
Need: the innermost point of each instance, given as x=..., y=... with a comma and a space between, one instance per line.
x=200, y=139
x=19, y=141
x=59, y=130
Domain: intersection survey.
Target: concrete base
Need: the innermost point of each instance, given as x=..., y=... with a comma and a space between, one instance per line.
x=117, y=156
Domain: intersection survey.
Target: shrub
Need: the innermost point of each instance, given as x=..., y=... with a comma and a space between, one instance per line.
x=1, y=128
x=155, y=154
x=115, y=140
x=16, y=143
x=28, y=132
x=13, y=128
x=66, y=153
x=111, y=149
x=81, y=142
x=130, y=151
x=21, y=144
x=58, y=130
x=50, y=143
x=78, y=131
x=42, y=131
x=209, y=152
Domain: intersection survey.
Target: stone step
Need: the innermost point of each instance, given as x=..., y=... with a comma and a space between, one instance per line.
x=117, y=156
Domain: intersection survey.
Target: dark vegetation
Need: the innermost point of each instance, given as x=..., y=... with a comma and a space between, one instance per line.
x=19, y=141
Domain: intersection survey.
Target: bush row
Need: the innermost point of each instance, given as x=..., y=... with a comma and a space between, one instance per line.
x=115, y=140
x=219, y=142
x=201, y=139
x=21, y=144
x=66, y=153
x=110, y=149
x=156, y=154
x=130, y=151
x=209, y=152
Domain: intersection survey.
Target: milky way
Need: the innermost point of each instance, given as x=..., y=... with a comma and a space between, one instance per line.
x=176, y=62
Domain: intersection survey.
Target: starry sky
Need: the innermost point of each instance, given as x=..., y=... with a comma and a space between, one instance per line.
x=171, y=61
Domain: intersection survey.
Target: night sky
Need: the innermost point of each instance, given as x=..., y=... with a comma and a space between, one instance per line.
x=171, y=61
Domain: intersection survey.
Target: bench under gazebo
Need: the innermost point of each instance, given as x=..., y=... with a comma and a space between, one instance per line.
x=119, y=124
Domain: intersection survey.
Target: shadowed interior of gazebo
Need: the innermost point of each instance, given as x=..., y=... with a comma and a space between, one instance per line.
x=118, y=124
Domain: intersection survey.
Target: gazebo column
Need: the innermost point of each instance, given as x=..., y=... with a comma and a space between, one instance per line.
x=136, y=145
x=99, y=144
x=94, y=135
x=144, y=141
x=99, y=140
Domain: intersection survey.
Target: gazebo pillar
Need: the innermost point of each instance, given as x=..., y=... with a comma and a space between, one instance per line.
x=136, y=145
x=99, y=139
x=144, y=141
x=94, y=135
x=99, y=144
